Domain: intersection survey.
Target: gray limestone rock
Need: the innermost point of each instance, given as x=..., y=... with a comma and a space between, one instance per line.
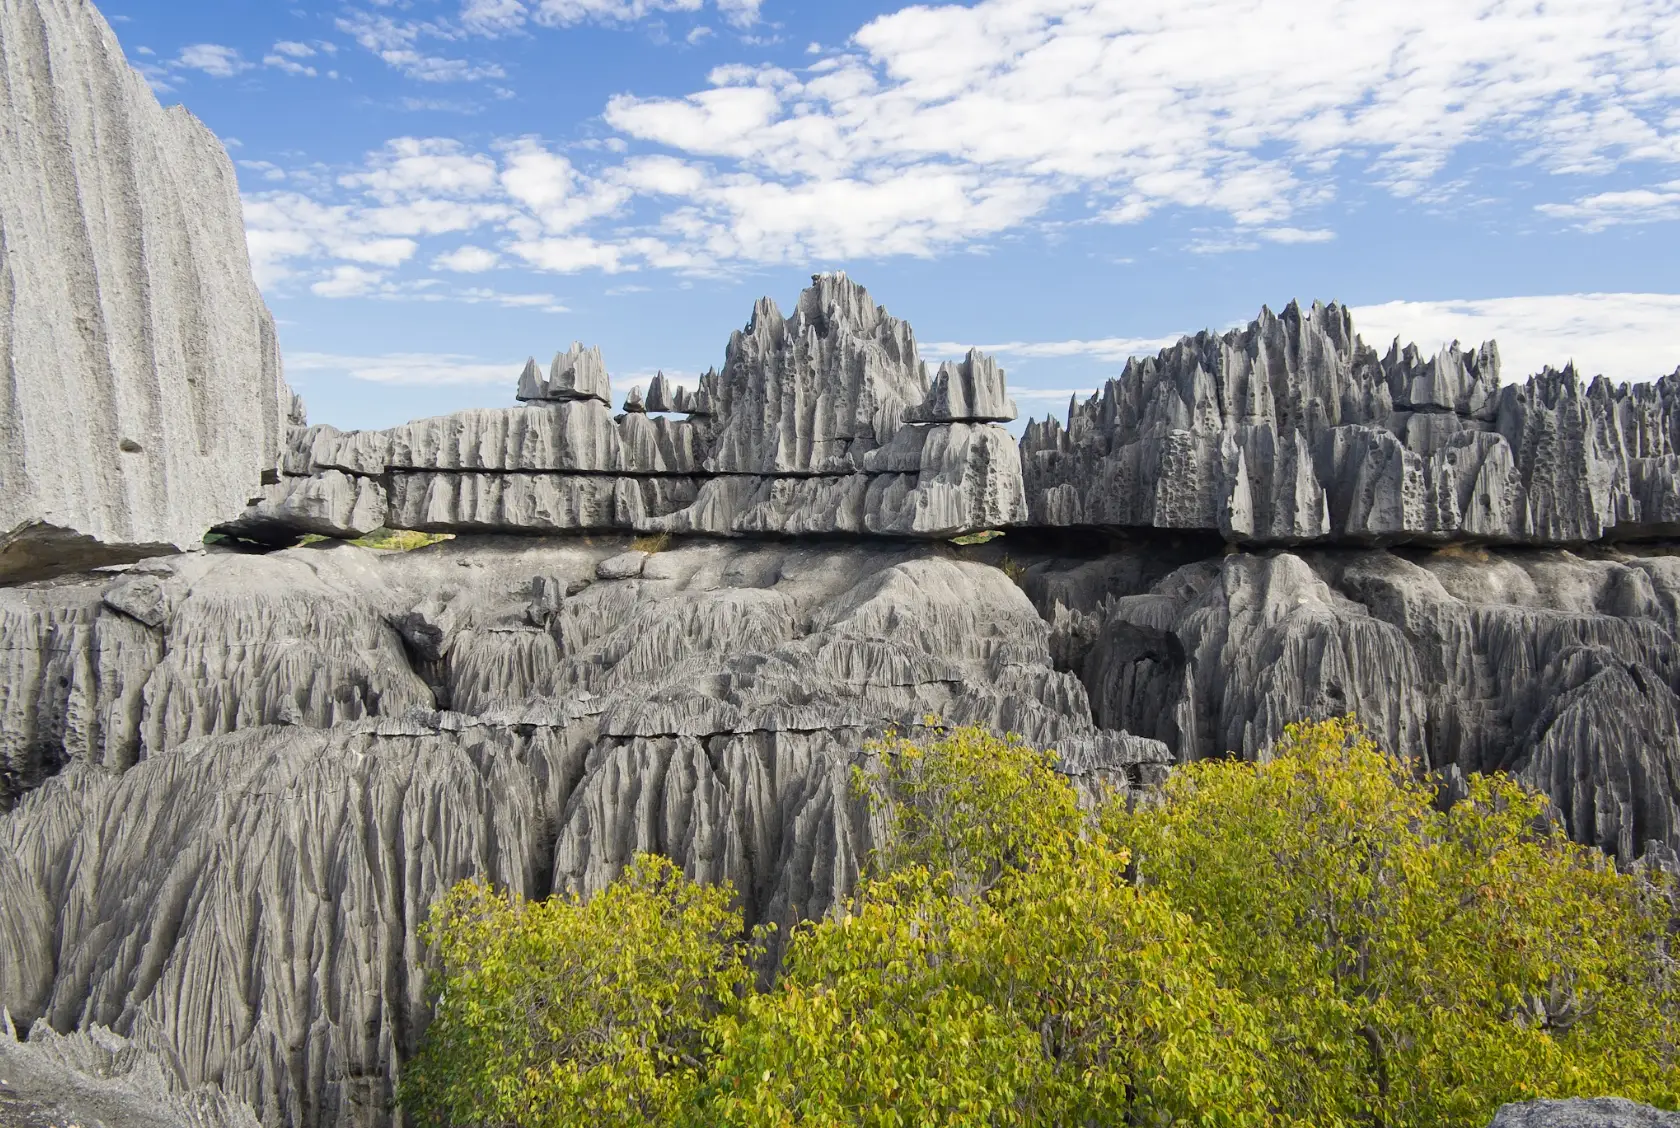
x=803, y=433
x=577, y=374
x=1599, y=1112
x=244, y=778
x=972, y=391
x=1559, y=668
x=141, y=398
x=1292, y=431
x=99, y=1079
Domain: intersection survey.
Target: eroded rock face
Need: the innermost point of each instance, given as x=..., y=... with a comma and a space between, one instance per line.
x=239, y=781
x=818, y=423
x=1558, y=667
x=1600, y=1112
x=1292, y=431
x=141, y=399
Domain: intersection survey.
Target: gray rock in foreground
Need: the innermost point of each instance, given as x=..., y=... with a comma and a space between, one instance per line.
x=98, y=1079
x=141, y=399
x=1600, y=1112
x=240, y=781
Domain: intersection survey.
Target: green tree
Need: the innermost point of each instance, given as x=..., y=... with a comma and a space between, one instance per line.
x=1412, y=967
x=1302, y=941
x=566, y=1011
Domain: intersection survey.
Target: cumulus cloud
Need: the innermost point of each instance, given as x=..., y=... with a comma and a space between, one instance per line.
x=212, y=59
x=946, y=126
x=1610, y=209
x=467, y=260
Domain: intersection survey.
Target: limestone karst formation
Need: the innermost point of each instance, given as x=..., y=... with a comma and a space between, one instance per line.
x=233, y=779
x=141, y=399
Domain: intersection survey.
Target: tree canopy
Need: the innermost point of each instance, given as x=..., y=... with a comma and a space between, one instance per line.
x=1306, y=940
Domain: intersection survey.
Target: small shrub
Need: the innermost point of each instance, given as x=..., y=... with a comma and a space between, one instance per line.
x=651, y=544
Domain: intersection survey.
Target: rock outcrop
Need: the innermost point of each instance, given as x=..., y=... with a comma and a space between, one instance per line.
x=823, y=422
x=141, y=400
x=1599, y=1112
x=239, y=781
x=1559, y=667
x=1293, y=431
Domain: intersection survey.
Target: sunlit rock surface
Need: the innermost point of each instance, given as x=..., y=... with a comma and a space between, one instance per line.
x=820, y=422
x=1293, y=431
x=141, y=400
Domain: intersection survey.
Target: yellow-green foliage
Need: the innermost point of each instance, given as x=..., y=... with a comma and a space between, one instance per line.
x=1413, y=967
x=1301, y=942
x=653, y=543
x=401, y=540
x=563, y=1012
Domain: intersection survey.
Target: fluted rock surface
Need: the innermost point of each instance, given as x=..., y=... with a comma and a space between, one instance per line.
x=239, y=781
x=1293, y=431
x=1558, y=667
x=818, y=423
x=141, y=399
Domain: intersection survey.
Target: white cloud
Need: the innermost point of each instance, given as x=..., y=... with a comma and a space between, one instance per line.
x=1623, y=336
x=467, y=260
x=1114, y=349
x=294, y=50
x=423, y=369
x=1127, y=105
x=347, y=282
x=1295, y=235
x=289, y=66
x=213, y=59
x=1609, y=209
x=411, y=167
x=396, y=42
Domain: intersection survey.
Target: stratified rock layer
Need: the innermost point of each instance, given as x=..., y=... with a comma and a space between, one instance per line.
x=822, y=422
x=1292, y=431
x=244, y=779
x=141, y=400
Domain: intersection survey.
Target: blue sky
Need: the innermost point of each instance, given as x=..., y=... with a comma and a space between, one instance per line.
x=436, y=189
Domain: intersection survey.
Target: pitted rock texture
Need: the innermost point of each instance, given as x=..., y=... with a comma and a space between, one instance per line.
x=1293, y=431
x=1558, y=667
x=819, y=423
x=141, y=398
x=1599, y=1112
x=239, y=781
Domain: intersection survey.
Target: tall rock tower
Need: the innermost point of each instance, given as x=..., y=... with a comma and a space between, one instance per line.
x=141, y=395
